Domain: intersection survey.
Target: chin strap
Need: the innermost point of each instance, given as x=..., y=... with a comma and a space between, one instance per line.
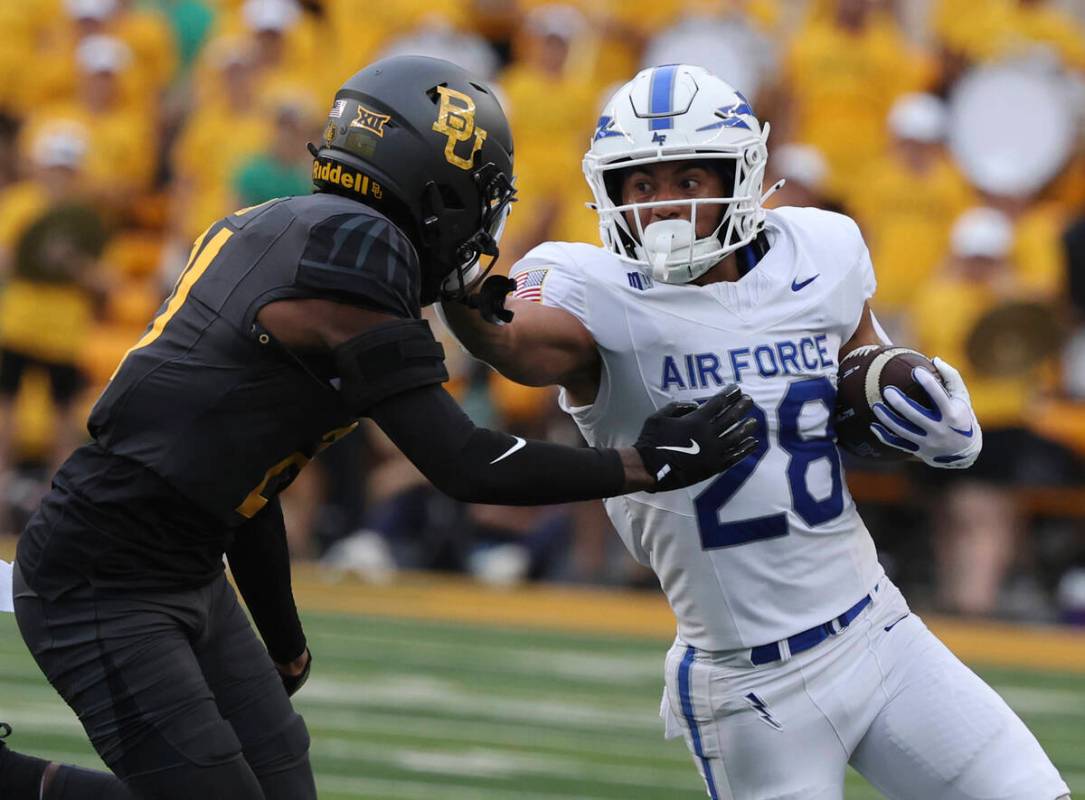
x=773, y=190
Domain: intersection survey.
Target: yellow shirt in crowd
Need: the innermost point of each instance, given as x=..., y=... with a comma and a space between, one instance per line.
x=1038, y=250
x=214, y=141
x=46, y=321
x=20, y=205
x=552, y=119
x=992, y=29
x=946, y=310
x=842, y=85
x=906, y=219
x=154, y=52
x=120, y=152
x=23, y=25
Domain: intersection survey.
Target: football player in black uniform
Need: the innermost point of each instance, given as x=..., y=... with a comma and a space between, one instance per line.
x=292, y=320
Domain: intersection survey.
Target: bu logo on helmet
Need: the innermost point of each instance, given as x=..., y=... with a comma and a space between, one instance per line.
x=456, y=120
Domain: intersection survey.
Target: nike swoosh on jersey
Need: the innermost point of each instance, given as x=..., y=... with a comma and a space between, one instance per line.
x=797, y=286
x=692, y=450
x=520, y=443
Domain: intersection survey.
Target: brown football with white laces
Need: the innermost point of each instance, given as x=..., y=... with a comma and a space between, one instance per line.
x=861, y=378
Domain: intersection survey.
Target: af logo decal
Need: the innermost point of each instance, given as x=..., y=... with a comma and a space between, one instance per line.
x=456, y=120
x=370, y=121
x=329, y=133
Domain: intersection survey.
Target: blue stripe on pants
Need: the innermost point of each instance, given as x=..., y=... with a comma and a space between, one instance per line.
x=684, y=672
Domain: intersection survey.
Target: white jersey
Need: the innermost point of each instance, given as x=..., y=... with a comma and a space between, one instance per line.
x=775, y=545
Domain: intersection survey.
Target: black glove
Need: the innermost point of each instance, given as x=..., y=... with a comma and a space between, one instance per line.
x=683, y=443
x=490, y=299
x=294, y=682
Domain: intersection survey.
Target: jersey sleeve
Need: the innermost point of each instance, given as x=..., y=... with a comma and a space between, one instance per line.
x=549, y=275
x=865, y=268
x=860, y=281
x=364, y=260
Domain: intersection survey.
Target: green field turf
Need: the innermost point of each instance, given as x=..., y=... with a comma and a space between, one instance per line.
x=404, y=710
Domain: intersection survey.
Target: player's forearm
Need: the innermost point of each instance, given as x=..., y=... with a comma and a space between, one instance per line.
x=260, y=562
x=539, y=347
x=494, y=344
x=474, y=464
x=541, y=473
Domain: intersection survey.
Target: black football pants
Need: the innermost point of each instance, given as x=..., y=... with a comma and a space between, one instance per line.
x=175, y=691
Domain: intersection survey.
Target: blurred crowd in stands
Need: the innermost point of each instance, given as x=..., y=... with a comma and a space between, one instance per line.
x=951, y=130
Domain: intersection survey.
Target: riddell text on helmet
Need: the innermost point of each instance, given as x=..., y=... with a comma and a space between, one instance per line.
x=347, y=178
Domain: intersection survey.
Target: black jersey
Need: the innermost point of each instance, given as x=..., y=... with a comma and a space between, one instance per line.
x=206, y=407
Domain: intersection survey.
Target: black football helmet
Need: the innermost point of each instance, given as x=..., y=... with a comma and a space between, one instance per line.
x=428, y=145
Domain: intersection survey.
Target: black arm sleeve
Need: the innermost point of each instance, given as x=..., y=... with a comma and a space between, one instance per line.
x=477, y=465
x=260, y=562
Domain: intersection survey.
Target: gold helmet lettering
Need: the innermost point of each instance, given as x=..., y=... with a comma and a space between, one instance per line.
x=370, y=120
x=456, y=120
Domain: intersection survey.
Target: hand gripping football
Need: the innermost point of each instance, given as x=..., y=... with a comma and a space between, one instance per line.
x=862, y=377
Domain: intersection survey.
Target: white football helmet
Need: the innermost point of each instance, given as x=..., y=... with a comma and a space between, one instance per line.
x=677, y=112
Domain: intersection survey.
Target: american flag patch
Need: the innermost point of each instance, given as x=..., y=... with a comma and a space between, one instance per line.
x=529, y=285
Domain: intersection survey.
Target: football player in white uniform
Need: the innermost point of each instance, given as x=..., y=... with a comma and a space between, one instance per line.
x=795, y=655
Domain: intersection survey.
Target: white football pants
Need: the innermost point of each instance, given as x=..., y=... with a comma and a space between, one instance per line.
x=883, y=695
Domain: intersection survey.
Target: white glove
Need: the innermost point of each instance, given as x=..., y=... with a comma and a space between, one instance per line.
x=947, y=436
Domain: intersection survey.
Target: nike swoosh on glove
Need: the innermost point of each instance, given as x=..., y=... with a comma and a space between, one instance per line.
x=685, y=443
x=947, y=435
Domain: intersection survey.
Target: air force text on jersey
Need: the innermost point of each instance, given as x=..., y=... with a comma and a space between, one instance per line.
x=784, y=357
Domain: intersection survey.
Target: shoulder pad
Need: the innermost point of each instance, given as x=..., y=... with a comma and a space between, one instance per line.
x=362, y=255
x=574, y=258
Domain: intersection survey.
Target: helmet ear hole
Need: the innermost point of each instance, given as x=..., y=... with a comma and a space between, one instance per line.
x=613, y=181
x=725, y=169
x=451, y=198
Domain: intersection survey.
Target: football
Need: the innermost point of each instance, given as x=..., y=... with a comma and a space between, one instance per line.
x=863, y=374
